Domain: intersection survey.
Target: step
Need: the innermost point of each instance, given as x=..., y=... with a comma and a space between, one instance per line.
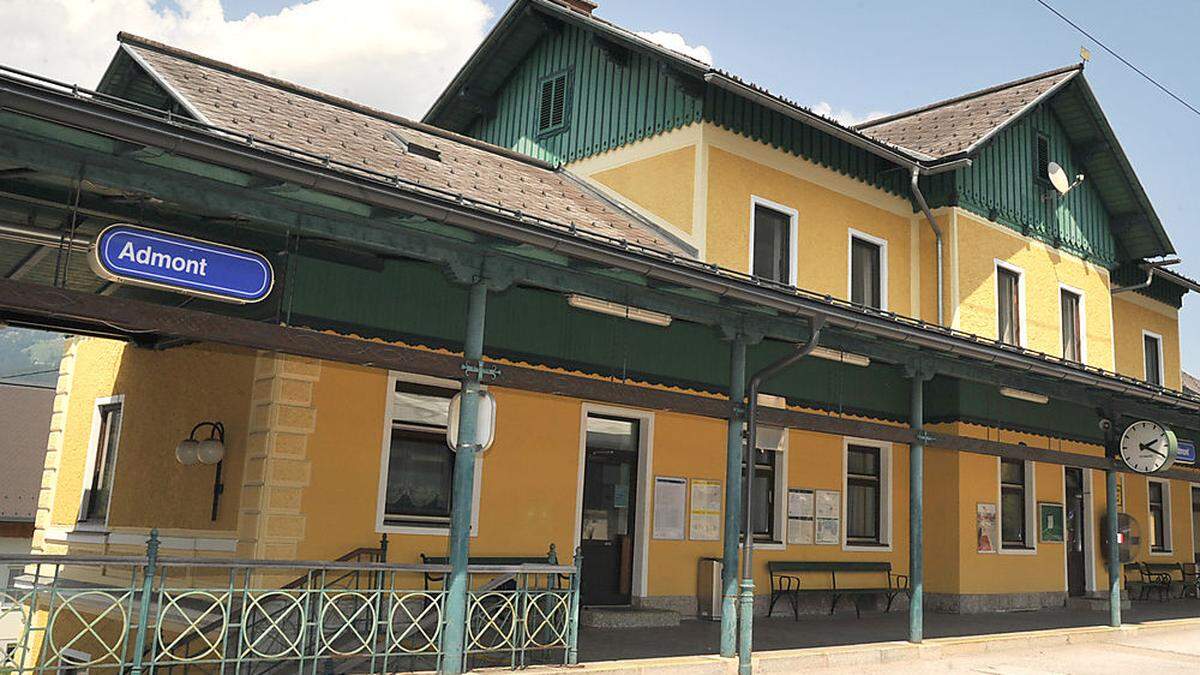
x=1094, y=603
x=627, y=617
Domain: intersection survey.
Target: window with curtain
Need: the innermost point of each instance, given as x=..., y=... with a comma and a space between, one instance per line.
x=1072, y=338
x=420, y=467
x=1160, y=526
x=1152, y=346
x=864, y=495
x=1008, y=306
x=1012, y=503
x=866, y=273
x=772, y=244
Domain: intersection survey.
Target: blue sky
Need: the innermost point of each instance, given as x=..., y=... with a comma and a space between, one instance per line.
x=887, y=56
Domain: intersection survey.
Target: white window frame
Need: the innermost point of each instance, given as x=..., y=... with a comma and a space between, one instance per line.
x=1162, y=367
x=883, y=264
x=381, y=525
x=1168, y=519
x=779, y=517
x=1083, y=343
x=1030, y=547
x=641, y=539
x=793, y=235
x=885, y=492
x=1003, y=265
x=89, y=466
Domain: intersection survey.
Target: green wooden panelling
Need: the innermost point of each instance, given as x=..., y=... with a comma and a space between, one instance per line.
x=415, y=303
x=749, y=119
x=949, y=400
x=611, y=104
x=1001, y=185
x=1159, y=289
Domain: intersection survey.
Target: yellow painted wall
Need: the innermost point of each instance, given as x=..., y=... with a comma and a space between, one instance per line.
x=980, y=244
x=663, y=184
x=1137, y=504
x=1131, y=315
x=166, y=393
x=824, y=220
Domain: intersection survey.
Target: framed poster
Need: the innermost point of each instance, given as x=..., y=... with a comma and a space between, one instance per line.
x=1050, y=522
x=704, y=517
x=800, y=511
x=829, y=521
x=670, y=507
x=985, y=528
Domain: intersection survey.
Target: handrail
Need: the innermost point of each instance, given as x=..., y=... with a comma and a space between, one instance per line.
x=538, y=568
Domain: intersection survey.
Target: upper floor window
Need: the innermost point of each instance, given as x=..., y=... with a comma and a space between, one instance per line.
x=1071, y=305
x=868, y=271
x=1008, y=305
x=552, y=103
x=772, y=242
x=1152, y=358
x=101, y=461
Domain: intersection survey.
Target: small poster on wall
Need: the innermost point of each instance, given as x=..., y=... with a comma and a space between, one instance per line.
x=800, y=522
x=705, y=516
x=1050, y=523
x=670, y=507
x=828, y=522
x=985, y=528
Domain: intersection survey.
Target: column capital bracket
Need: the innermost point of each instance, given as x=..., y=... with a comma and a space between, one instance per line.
x=480, y=371
x=921, y=369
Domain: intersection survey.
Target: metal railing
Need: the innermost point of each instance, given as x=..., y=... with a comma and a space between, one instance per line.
x=158, y=614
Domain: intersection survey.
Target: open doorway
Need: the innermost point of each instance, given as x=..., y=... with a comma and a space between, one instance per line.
x=1076, y=528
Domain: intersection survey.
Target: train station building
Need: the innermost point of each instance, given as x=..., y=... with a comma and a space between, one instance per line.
x=926, y=364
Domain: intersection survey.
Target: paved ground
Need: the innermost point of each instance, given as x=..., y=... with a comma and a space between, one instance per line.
x=1156, y=653
x=703, y=637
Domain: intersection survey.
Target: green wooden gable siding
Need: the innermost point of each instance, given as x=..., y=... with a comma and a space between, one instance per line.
x=610, y=104
x=1001, y=185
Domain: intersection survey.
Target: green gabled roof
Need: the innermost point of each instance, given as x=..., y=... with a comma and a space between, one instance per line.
x=1135, y=225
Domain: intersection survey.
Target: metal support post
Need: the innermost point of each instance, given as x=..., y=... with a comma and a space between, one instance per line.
x=916, y=509
x=733, y=481
x=1114, y=550
x=454, y=658
x=148, y=574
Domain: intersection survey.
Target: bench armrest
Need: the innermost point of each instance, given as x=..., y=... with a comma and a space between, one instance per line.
x=900, y=579
x=785, y=582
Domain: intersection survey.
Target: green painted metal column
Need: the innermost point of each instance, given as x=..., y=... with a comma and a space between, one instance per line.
x=455, y=617
x=1114, y=550
x=733, y=496
x=916, y=512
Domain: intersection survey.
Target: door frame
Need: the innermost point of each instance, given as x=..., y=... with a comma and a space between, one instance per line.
x=645, y=454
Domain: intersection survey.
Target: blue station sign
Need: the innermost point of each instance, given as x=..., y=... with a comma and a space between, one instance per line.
x=136, y=255
x=1186, y=453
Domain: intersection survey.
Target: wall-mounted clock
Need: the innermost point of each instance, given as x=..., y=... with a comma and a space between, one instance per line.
x=1148, y=447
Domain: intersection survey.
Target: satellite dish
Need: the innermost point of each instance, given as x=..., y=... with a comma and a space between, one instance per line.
x=1058, y=178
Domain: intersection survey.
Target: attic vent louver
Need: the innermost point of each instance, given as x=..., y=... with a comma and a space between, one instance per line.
x=414, y=148
x=552, y=104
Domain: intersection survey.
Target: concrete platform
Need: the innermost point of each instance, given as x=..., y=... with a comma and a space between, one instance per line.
x=627, y=617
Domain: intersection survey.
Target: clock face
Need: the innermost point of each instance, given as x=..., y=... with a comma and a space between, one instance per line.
x=1147, y=447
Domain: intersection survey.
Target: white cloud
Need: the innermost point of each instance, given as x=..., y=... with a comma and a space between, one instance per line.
x=675, y=42
x=392, y=54
x=844, y=116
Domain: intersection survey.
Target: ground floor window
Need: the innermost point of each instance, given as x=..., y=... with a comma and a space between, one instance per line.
x=1160, y=515
x=101, y=461
x=770, y=476
x=418, y=469
x=1016, y=493
x=867, y=477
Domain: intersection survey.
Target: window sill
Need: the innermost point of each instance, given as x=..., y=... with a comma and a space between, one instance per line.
x=419, y=530
x=768, y=546
x=866, y=547
x=1162, y=552
x=1017, y=550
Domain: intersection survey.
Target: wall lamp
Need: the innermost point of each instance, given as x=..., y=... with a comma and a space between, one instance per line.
x=209, y=450
x=1022, y=395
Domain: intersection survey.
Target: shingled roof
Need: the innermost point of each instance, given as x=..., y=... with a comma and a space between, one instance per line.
x=233, y=98
x=960, y=124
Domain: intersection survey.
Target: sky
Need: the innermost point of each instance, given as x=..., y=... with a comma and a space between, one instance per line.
x=848, y=59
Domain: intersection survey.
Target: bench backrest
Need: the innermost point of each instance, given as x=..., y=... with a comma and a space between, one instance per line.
x=489, y=560
x=1168, y=568
x=782, y=566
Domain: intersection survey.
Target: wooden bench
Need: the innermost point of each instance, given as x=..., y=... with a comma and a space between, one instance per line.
x=431, y=578
x=1149, y=577
x=786, y=582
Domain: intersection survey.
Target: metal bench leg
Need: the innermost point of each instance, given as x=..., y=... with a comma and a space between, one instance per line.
x=833, y=605
x=890, y=597
x=795, y=598
x=771, y=608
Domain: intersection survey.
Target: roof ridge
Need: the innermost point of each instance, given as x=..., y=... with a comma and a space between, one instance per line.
x=968, y=96
x=315, y=94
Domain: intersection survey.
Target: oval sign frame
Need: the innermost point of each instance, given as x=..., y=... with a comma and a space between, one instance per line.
x=101, y=261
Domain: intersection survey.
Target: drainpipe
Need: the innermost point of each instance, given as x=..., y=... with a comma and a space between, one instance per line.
x=746, y=599
x=937, y=233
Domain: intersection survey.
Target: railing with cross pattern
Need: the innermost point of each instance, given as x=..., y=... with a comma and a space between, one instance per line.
x=197, y=615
